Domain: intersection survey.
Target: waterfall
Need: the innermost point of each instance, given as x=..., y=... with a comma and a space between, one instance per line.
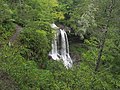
x=54, y=52
x=60, y=47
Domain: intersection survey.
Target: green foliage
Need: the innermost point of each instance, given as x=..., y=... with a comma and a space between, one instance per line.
x=35, y=45
x=79, y=16
x=112, y=50
x=27, y=61
x=5, y=12
x=84, y=78
x=35, y=10
x=25, y=73
x=6, y=25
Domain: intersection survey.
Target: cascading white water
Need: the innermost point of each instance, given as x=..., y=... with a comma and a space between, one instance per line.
x=61, y=53
x=65, y=49
x=54, y=53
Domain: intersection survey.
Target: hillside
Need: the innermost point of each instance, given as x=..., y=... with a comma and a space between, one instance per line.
x=88, y=33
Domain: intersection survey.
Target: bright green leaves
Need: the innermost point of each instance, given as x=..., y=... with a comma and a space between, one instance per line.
x=22, y=60
x=25, y=73
x=35, y=45
x=27, y=11
x=58, y=15
x=41, y=32
x=53, y=3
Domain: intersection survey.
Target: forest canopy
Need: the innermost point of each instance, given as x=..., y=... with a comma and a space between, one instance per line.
x=93, y=29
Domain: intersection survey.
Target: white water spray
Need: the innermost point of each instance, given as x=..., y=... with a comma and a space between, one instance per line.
x=61, y=53
x=54, y=53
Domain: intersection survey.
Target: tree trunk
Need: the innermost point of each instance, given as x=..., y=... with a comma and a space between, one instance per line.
x=101, y=50
x=105, y=29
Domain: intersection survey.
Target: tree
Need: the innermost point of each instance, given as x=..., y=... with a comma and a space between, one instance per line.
x=106, y=25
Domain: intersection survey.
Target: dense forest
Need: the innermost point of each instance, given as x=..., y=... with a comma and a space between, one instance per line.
x=93, y=29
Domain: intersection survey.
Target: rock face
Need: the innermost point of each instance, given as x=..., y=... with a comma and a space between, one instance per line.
x=6, y=82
